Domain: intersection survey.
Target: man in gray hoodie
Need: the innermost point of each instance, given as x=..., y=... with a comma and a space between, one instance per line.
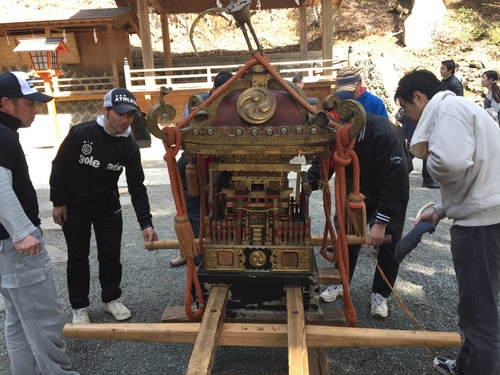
x=34, y=318
x=461, y=144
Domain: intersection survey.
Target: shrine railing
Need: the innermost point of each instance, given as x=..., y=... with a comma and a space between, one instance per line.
x=201, y=77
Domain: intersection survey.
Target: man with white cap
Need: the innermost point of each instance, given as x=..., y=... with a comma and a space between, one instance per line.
x=349, y=79
x=84, y=192
x=34, y=319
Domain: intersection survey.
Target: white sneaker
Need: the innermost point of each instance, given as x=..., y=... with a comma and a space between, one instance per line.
x=81, y=315
x=117, y=309
x=332, y=292
x=379, y=306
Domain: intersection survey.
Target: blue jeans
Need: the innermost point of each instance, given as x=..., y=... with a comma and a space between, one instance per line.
x=476, y=257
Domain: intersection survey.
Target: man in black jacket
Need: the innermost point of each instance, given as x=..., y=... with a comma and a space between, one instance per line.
x=450, y=81
x=34, y=318
x=384, y=168
x=84, y=192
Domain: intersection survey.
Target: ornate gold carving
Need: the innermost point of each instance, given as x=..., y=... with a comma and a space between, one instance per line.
x=256, y=105
x=257, y=258
x=280, y=259
x=259, y=68
x=346, y=109
x=260, y=80
x=154, y=113
x=194, y=101
x=217, y=258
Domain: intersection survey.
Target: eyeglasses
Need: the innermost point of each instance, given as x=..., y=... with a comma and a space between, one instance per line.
x=403, y=105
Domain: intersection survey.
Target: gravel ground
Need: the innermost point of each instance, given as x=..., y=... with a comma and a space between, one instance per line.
x=426, y=284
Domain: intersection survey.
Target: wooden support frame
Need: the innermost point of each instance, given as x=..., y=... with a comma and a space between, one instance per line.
x=298, y=362
x=306, y=343
x=202, y=356
x=265, y=335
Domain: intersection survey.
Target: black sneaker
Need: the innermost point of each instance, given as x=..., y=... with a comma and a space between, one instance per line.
x=430, y=184
x=446, y=366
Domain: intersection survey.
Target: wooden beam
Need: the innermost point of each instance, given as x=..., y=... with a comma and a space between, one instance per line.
x=317, y=240
x=298, y=362
x=202, y=356
x=165, y=34
x=198, y=6
x=328, y=276
x=145, y=35
x=326, y=18
x=114, y=66
x=328, y=316
x=303, y=33
x=158, y=5
x=318, y=363
x=264, y=335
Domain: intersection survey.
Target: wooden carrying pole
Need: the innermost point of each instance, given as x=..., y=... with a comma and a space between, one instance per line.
x=264, y=335
x=316, y=241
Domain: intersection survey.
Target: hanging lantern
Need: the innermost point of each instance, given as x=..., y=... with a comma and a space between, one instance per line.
x=43, y=52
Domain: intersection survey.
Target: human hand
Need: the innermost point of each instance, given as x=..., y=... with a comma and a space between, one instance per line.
x=376, y=235
x=430, y=216
x=149, y=235
x=60, y=215
x=29, y=245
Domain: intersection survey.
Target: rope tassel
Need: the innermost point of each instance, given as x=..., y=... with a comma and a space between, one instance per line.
x=192, y=180
x=185, y=236
x=356, y=216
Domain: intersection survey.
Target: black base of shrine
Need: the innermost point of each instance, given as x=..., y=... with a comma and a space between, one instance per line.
x=253, y=294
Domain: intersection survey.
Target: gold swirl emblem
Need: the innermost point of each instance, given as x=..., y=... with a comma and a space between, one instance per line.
x=256, y=105
x=257, y=258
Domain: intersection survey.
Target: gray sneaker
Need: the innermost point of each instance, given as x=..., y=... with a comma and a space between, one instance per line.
x=81, y=315
x=379, y=306
x=117, y=309
x=332, y=292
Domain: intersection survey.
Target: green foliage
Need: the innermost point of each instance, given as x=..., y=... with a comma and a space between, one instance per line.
x=472, y=25
x=494, y=33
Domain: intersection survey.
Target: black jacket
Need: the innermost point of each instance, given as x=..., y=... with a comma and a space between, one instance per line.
x=87, y=167
x=384, y=164
x=453, y=84
x=12, y=158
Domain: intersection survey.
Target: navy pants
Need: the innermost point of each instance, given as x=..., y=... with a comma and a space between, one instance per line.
x=108, y=228
x=385, y=256
x=476, y=257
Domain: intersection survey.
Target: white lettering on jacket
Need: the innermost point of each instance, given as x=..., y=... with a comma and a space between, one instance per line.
x=89, y=160
x=114, y=167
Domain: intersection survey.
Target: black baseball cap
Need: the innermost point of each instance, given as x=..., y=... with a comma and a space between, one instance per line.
x=19, y=85
x=121, y=101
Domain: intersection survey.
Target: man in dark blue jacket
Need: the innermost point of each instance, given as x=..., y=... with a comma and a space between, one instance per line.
x=84, y=192
x=384, y=168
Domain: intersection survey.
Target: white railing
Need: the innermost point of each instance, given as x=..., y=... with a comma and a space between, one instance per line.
x=202, y=76
x=77, y=85
x=187, y=77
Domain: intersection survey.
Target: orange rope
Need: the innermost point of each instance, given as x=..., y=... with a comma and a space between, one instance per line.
x=343, y=156
x=172, y=146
